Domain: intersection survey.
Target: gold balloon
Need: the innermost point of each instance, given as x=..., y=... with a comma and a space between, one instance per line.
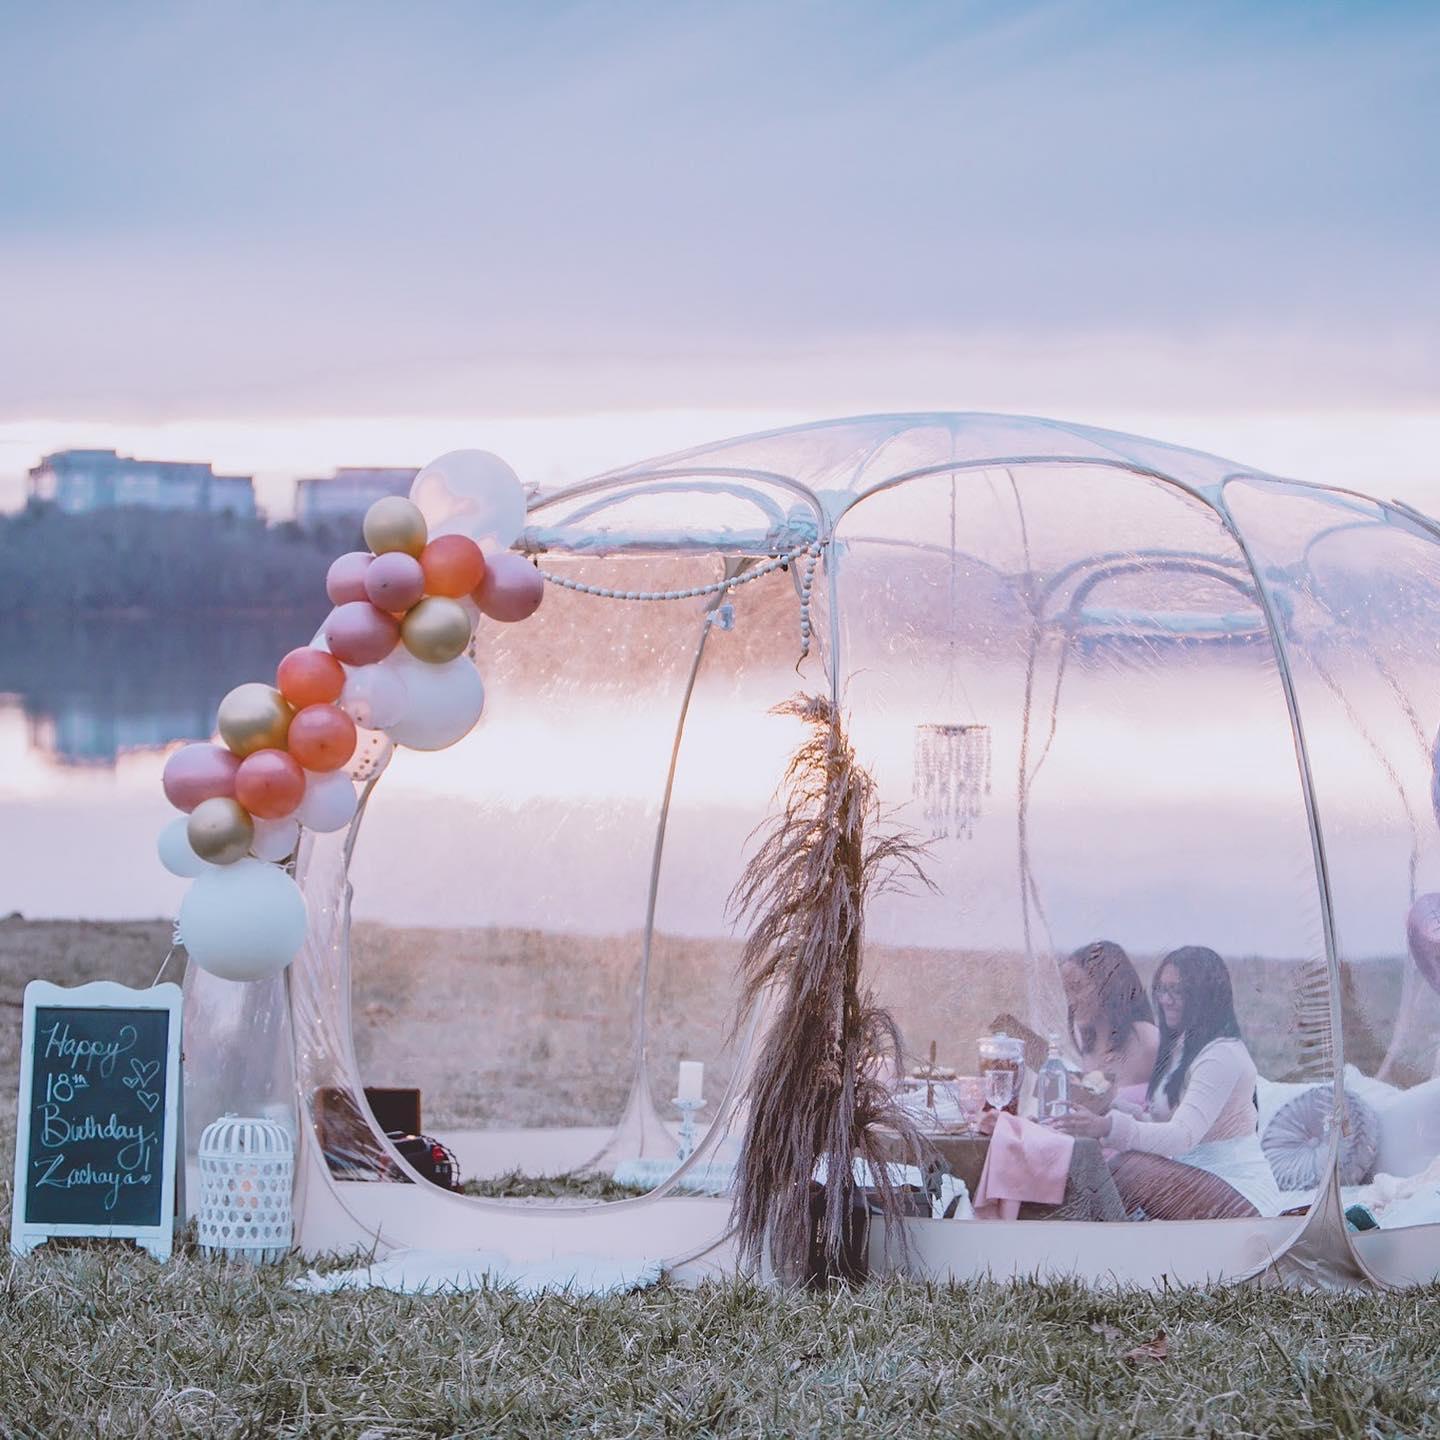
x=436, y=630
x=255, y=717
x=220, y=831
x=394, y=523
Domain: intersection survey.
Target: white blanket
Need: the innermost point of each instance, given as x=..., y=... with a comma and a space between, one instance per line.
x=430, y=1271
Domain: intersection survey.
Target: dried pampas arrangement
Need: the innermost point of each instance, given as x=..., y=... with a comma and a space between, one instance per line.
x=818, y=1091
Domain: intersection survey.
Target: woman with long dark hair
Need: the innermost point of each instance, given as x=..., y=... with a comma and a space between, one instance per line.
x=1194, y=1151
x=1111, y=1023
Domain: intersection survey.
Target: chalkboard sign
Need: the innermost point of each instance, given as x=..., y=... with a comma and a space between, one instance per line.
x=99, y=1114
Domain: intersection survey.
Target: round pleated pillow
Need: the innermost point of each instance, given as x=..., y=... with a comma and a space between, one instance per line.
x=1296, y=1141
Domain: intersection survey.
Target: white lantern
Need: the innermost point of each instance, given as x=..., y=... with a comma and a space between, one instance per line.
x=247, y=1173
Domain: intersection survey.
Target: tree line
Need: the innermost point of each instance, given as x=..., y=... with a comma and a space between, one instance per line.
x=138, y=562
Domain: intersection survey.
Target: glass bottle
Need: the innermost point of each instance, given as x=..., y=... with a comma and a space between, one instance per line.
x=1052, y=1084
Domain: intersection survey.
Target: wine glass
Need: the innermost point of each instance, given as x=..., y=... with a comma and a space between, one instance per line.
x=999, y=1087
x=970, y=1097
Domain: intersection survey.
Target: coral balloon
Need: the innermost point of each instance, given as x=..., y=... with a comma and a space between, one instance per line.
x=512, y=588
x=436, y=630
x=254, y=717
x=395, y=581
x=1422, y=933
x=199, y=772
x=374, y=696
x=454, y=565
x=393, y=523
x=322, y=737
x=245, y=922
x=359, y=634
x=310, y=677
x=270, y=783
x=329, y=804
x=275, y=839
x=175, y=852
x=474, y=493
x=220, y=831
x=345, y=580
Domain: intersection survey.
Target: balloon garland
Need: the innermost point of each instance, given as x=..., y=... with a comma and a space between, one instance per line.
x=389, y=657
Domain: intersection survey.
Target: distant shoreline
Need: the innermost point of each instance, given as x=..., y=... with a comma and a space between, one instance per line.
x=133, y=614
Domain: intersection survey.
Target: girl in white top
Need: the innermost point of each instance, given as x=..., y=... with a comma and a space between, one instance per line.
x=1193, y=1151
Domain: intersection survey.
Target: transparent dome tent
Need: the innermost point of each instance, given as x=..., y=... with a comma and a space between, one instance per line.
x=1126, y=691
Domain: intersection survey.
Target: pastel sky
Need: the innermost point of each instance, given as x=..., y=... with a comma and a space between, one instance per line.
x=286, y=236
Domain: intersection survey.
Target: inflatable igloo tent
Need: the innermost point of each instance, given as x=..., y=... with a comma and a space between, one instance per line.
x=1127, y=691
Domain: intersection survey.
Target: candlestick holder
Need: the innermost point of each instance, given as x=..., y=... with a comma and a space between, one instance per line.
x=687, y=1109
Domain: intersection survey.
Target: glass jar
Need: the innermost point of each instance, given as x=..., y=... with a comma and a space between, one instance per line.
x=1004, y=1052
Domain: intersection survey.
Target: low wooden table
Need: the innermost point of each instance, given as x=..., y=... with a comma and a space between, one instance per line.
x=1090, y=1192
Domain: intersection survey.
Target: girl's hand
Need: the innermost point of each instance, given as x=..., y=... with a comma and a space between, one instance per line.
x=1087, y=1099
x=1083, y=1123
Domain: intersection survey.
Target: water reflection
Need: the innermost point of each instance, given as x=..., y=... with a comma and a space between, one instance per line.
x=551, y=802
x=94, y=690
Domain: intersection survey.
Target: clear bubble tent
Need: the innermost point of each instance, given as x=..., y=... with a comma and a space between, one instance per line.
x=1126, y=691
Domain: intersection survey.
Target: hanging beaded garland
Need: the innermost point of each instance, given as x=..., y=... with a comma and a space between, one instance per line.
x=808, y=554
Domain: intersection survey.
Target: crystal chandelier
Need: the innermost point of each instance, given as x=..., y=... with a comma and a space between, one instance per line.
x=952, y=762
x=952, y=774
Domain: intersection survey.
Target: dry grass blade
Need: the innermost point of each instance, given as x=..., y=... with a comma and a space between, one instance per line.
x=1152, y=1352
x=817, y=1092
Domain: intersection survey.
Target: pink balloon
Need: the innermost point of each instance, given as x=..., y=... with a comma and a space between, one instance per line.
x=1422, y=932
x=394, y=581
x=345, y=580
x=199, y=772
x=359, y=634
x=512, y=588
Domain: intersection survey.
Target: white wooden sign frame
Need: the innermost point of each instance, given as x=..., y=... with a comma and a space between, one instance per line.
x=159, y=1239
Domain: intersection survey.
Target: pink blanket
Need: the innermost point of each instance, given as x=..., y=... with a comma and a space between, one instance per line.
x=1025, y=1161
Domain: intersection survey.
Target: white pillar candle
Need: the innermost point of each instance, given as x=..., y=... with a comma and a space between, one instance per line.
x=692, y=1080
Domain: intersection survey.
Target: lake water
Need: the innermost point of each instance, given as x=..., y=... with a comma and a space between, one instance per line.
x=545, y=816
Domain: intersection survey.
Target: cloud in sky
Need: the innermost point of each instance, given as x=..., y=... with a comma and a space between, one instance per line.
x=335, y=208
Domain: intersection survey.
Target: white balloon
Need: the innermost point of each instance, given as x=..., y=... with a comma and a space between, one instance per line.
x=471, y=492
x=329, y=802
x=175, y=852
x=244, y=921
x=374, y=696
x=275, y=839
x=445, y=702
x=373, y=749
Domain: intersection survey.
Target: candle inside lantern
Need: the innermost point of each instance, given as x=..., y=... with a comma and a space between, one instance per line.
x=691, y=1085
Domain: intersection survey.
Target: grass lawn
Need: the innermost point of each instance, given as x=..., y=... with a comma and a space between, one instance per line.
x=103, y=1342
x=97, y=1340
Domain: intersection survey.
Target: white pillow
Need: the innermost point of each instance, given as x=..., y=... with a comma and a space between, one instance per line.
x=1409, y=1129
x=1375, y=1093
x=1271, y=1096
x=1409, y=1119
x=1297, y=1140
